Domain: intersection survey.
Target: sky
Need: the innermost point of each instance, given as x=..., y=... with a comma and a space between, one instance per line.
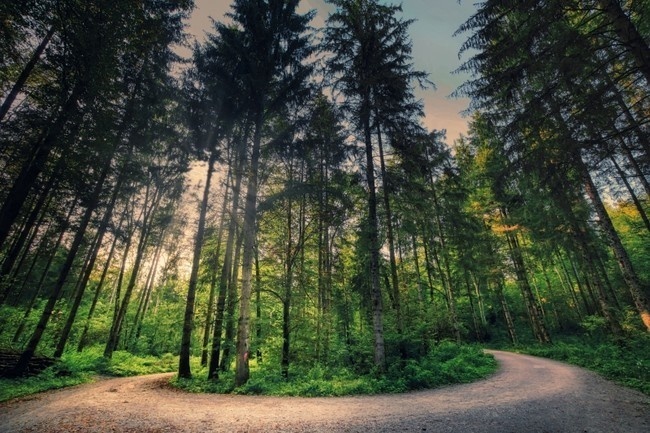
x=435, y=50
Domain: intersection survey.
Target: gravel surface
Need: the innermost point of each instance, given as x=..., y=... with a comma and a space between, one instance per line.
x=527, y=394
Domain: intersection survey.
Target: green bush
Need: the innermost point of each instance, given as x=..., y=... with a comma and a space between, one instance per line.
x=51, y=378
x=448, y=363
x=75, y=368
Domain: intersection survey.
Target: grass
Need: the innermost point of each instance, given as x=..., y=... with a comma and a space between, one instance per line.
x=448, y=363
x=76, y=368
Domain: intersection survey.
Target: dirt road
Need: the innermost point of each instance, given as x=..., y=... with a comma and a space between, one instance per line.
x=528, y=394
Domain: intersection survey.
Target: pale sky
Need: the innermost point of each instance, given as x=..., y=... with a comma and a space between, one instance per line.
x=435, y=51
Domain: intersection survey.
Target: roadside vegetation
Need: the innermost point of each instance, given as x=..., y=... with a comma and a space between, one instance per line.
x=624, y=361
x=446, y=364
x=75, y=368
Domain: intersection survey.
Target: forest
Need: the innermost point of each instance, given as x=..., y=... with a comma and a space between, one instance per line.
x=274, y=202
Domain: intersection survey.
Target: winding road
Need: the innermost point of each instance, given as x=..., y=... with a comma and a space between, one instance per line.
x=527, y=394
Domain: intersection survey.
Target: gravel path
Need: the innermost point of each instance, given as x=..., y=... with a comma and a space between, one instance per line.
x=528, y=394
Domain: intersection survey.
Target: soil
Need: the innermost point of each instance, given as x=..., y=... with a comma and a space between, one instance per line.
x=527, y=394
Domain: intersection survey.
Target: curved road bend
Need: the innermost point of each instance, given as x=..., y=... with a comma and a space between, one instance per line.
x=527, y=394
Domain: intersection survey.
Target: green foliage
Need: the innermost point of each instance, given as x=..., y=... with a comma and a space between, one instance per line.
x=75, y=368
x=52, y=378
x=624, y=361
x=448, y=363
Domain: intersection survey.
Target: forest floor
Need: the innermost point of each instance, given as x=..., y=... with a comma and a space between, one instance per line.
x=527, y=394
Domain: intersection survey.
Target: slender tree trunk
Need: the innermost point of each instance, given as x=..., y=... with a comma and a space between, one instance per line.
x=116, y=327
x=258, y=306
x=227, y=267
x=213, y=276
x=149, y=286
x=288, y=286
x=627, y=270
x=231, y=307
x=478, y=330
x=100, y=284
x=479, y=299
x=184, y=370
x=250, y=213
x=416, y=261
x=44, y=197
x=534, y=312
x=568, y=286
x=445, y=260
x=510, y=324
x=39, y=286
x=427, y=263
x=633, y=196
x=101, y=231
x=25, y=73
x=373, y=238
x=32, y=345
x=31, y=169
x=210, y=310
x=397, y=305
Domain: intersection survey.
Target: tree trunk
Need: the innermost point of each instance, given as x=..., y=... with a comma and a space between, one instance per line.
x=25, y=73
x=633, y=196
x=226, y=269
x=101, y=231
x=184, y=370
x=213, y=276
x=44, y=197
x=242, y=372
x=93, y=200
x=231, y=306
x=98, y=289
x=36, y=163
x=288, y=286
x=373, y=238
x=397, y=304
x=534, y=313
x=510, y=324
x=118, y=320
x=627, y=270
x=39, y=286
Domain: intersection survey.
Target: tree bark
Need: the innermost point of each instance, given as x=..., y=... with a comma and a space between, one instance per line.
x=373, y=238
x=101, y=231
x=226, y=269
x=397, y=304
x=25, y=73
x=242, y=371
x=98, y=289
x=32, y=345
x=184, y=370
x=36, y=163
x=118, y=320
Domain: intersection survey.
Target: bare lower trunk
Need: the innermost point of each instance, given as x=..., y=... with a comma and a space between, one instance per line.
x=184, y=370
x=242, y=371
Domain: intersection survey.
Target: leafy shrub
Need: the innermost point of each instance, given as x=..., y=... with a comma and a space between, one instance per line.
x=75, y=368
x=447, y=363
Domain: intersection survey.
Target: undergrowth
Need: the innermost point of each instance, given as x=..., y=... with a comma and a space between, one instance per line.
x=448, y=363
x=75, y=368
